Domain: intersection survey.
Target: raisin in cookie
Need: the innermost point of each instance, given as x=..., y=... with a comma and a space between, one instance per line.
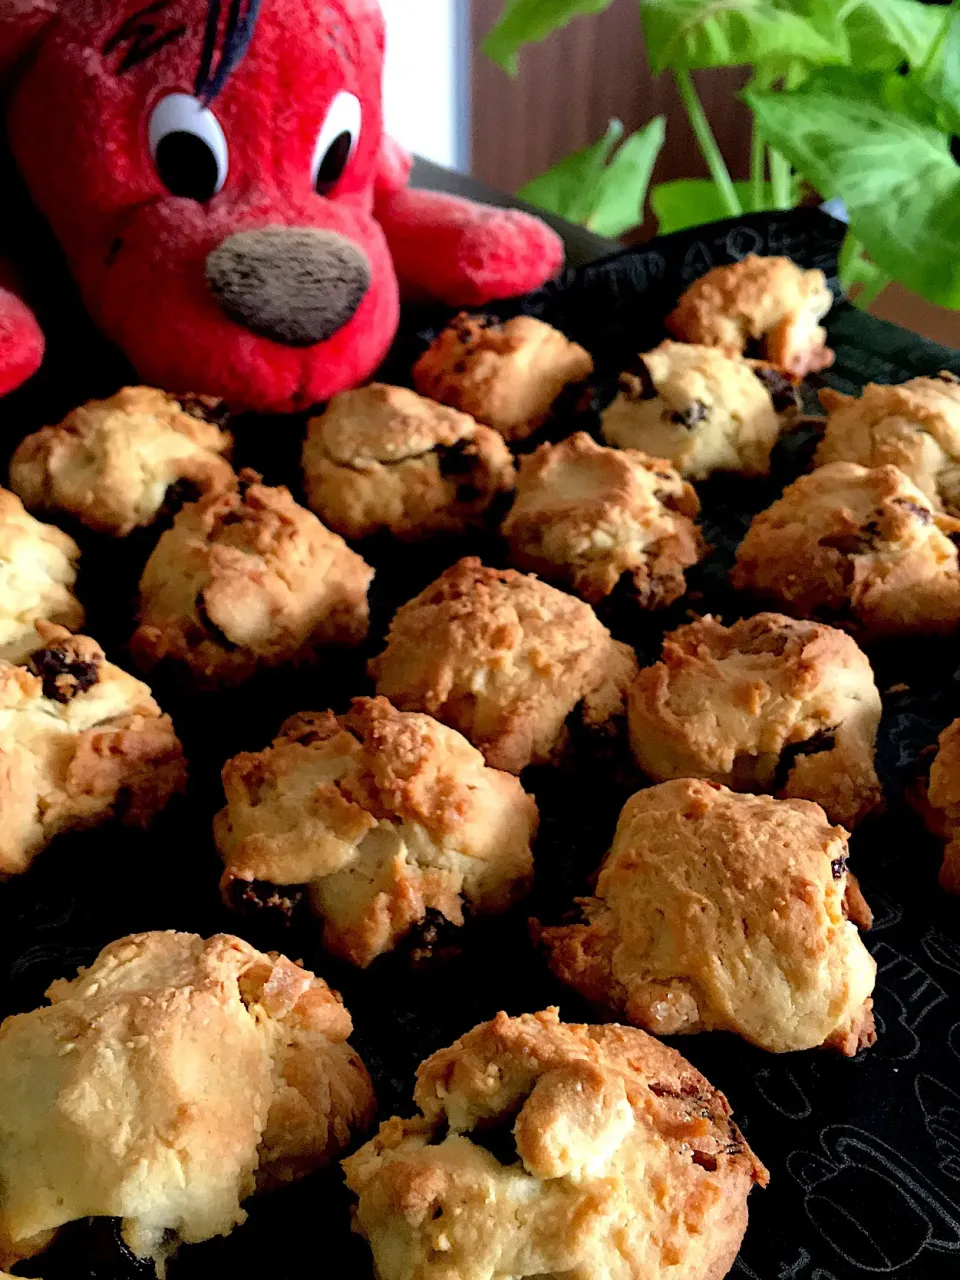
x=378, y=817
x=113, y=464
x=855, y=546
x=764, y=306
x=505, y=659
x=914, y=426
x=587, y=517
x=38, y=571
x=550, y=1149
x=81, y=742
x=384, y=458
x=701, y=408
x=769, y=704
x=247, y=579
x=165, y=1085
x=715, y=911
x=507, y=376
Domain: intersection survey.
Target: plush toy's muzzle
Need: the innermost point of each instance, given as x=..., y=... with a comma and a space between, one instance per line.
x=294, y=285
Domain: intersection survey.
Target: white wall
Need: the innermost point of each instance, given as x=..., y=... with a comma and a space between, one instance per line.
x=426, y=96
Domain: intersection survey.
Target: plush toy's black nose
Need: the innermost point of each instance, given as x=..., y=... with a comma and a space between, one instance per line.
x=295, y=285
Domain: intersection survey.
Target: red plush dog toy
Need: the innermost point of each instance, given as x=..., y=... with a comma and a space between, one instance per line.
x=217, y=174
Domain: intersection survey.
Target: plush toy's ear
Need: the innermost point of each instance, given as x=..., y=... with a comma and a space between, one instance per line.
x=21, y=22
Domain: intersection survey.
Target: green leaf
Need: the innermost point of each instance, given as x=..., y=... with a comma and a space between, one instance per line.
x=687, y=34
x=622, y=189
x=600, y=189
x=884, y=33
x=691, y=202
x=895, y=174
x=526, y=21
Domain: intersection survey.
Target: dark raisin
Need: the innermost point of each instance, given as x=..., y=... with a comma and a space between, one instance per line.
x=705, y=1161
x=179, y=495
x=206, y=408
x=498, y=1139
x=637, y=382
x=460, y=366
x=434, y=937
x=838, y=866
x=849, y=544
x=755, y=349
x=694, y=413
x=822, y=741
x=456, y=459
x=946, y=375
x=258, y=895
x=782, y=391
x=922, y=513
x=63, y=674
x=213, y=631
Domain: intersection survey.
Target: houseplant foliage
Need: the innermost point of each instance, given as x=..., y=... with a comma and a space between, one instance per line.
x=858, y=100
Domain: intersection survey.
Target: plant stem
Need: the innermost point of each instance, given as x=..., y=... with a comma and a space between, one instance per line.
x=850, y=253
x=758, y=170
x=708, y=143
x=936, y=48
x=781, y=180
x=872, y=291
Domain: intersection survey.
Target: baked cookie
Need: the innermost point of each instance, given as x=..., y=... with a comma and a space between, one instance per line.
x=38, y=571
x=551, y=1149
x=384, y=458
x=507, y=375
x=914, y=426
x=81, y=742
x=166, y=1084
x=767, y=307
x=588, y=517
x=247, y=579
x=769, y=704
x=855, y=546
x=505, y=659
x=378, y=818
x=941, y=804
x=114, y=464
x=701, y=408
x=722, y=912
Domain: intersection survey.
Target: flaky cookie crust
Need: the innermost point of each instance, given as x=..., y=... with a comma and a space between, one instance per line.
x=164, y=1085
x=770, y=301
x=940, y=804
x=378, y=817
x=247, y=579
x=38, y=571
x=504, y=658
x=587, y=517
x=859, y=547
x=770, y=705
x=914, y=426
x=111, y=463
x=701, y=408
x=546, y=1148
x=723, y=912
x=384, y=458
x=81, y=743
x=507, y=375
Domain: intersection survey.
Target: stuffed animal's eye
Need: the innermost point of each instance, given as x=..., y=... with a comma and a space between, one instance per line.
x=338, y=140
x=188, y=147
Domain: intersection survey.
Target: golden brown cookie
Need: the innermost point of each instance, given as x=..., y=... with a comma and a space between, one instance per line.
x=505, y=659
x=940, y=804
x=112, y=464
x=81, y=742
x=857, y=547
x=247, y=579
x=769, y=704
x=507, y=376
x=378, y=818
x=701, y=408
x=587, y=517
x=768, y=302
x=165, y=1085
x=384, y=458
x=38, y=571
x=722, y=912
x=914, y=426
x=550, y=1149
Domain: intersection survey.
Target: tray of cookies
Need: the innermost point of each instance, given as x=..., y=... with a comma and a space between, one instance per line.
x=501, y=823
